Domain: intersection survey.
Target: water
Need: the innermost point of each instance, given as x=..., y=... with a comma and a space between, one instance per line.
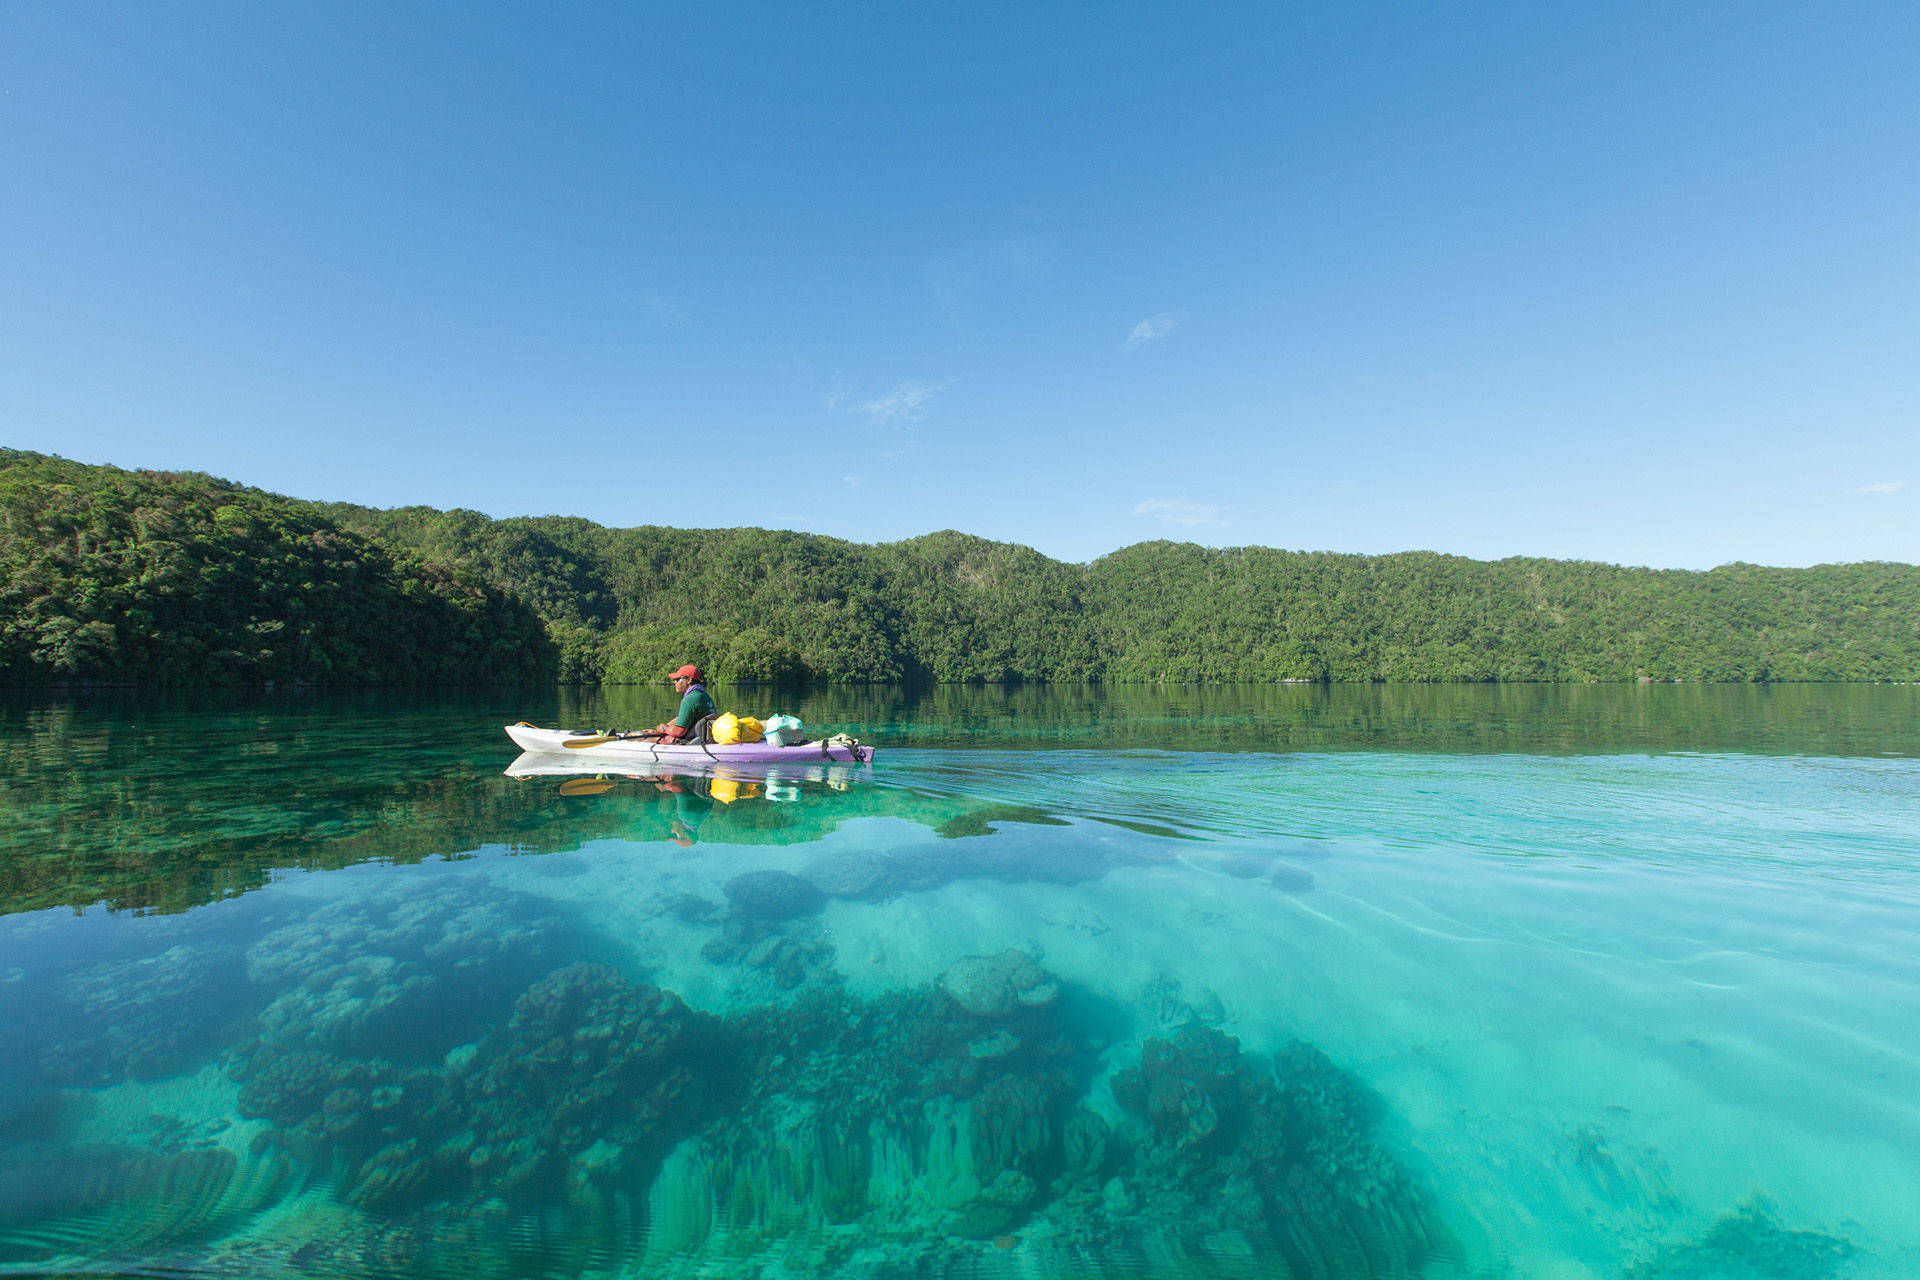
x=1447, y=982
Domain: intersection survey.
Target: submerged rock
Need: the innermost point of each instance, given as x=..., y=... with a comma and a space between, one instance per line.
x=765, y=951
x=1245, y=864
x=772, y=895
x=1291, y=879
x=997, y=1045
x=848, y=873
x=995, y=986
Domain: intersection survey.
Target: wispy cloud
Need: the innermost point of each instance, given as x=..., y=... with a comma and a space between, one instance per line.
x=1892, y=486
x=1152, y=329
x=853, y=482
x=903, y=402
x=1181, y=511
x=837, y=394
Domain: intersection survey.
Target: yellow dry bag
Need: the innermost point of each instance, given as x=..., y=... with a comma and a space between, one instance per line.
x=729, y=729
x=727, y=790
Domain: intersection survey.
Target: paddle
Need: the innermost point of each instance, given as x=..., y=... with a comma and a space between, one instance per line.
x=586, y=786
x=611, y=735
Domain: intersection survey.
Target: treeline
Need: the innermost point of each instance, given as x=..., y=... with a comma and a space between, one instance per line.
x=177, y=578
x=1259, y=614
x=754, y=604
x=162, y=578
x=763, y=605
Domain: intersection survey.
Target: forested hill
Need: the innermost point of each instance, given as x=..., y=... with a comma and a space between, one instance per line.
x=160, y=578
x=166, y=578
x=626, y=604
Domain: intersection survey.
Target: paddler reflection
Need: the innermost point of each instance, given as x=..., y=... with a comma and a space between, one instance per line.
x=690, y=805
x=682, y=800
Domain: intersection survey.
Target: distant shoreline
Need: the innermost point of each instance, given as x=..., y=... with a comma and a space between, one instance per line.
x=182, y=580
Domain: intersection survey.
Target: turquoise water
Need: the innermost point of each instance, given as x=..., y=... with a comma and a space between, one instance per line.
x=1551, y=983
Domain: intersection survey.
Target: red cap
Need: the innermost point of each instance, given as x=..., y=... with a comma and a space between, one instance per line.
x=688, y=672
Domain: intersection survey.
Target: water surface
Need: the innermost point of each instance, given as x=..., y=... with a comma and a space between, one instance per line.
x=1489, y=981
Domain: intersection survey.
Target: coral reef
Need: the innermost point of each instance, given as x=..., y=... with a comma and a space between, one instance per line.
x=133, y=1199
x=1165, y=1001
x=913, y=1115
x=1630, y=1177
x=144, y=1018
x=589, y=1074
x=958, y=1113
x=403, y=978
x=1748, y=1244
x=360, y=1118
x=1287, y=1159
x=913, y=1130
x=787, y=956
x=591, y=1070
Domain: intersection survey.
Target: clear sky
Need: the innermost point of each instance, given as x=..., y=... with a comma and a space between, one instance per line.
x=1625, y=282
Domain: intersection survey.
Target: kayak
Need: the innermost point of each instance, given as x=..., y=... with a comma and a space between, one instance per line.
x=641, y=751
x=551, y=764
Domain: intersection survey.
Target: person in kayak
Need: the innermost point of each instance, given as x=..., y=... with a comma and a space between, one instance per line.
x=695, y=704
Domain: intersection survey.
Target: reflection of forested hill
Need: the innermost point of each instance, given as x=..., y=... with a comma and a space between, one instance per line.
x=1532, y=718
x=175, y=812
x=162, y=801
x=165, y=578
x=150, y=808
x=181, y=578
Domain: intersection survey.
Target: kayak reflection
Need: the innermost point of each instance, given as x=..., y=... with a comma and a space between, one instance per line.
x=681, y=798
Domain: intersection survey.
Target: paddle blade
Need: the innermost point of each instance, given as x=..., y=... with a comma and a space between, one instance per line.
x=586, y=786
x=586, y=742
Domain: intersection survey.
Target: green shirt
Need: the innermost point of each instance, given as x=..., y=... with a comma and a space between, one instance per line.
x=692, y=707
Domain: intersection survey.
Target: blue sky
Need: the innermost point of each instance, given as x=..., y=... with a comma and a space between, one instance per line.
x=1636, y=283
